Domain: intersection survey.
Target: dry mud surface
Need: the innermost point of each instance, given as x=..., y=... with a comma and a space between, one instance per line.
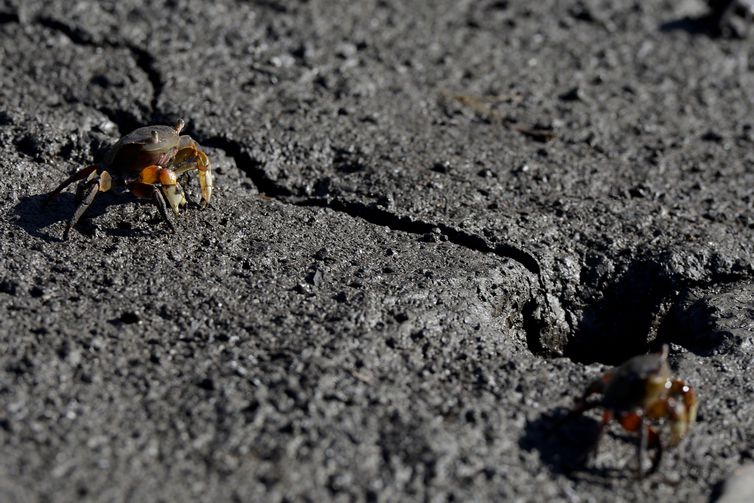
x=434, y=222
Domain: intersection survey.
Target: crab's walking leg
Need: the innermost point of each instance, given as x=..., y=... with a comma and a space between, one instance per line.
x=88, y=192
x=654, y=442
x=85, y=193
x=582, y=403
x=595, y=387
x=148, y=191
x=78, y=175
x=591, y=449
x=641, y=448
x=607, y=416
x=648, y=439
x=159, y=200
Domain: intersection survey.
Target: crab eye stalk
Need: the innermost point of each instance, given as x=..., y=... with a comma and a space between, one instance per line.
x=179, y=126
x=155, y=137
x=664, y=352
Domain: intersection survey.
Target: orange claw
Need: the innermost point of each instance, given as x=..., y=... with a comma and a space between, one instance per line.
x=150, y=175
x=191, y=157
x=168, y=181
x=682, y=413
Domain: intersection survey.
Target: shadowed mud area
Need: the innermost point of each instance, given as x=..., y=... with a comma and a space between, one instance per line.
x=433, y=224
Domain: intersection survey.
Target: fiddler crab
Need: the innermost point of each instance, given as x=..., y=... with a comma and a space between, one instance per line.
x=728, y=17
x=147, y=162
x=642, y=395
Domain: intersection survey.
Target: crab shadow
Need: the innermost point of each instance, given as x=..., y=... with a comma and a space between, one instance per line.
x=565, y=445
x=720, y=22
x=36, y=216
x=702, y=25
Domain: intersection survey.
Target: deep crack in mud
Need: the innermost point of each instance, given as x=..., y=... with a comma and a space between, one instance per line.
x=376, y=215
x=640, y=309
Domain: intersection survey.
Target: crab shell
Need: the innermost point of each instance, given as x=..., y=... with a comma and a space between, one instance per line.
x=141, y=148
x=637, y=383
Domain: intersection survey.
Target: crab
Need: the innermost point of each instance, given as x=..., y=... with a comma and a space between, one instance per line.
x=642, y=395
x=147, y=162
x=727, y=17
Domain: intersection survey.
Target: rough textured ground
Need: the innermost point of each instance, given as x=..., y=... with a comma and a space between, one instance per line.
x=433, y=223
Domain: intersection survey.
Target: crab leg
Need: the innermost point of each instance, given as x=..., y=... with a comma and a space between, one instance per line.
x=159, y=200
x=595, y=387
x=607, y=416
x=648, y=439
x=641, y=448
x=85, y=193
x=583, y=404
x=88, y=192
x=148, y=191
x=78, y=175
x=653, y=442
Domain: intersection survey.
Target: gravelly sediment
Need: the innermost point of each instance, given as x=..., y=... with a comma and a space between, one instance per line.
x=433, y=224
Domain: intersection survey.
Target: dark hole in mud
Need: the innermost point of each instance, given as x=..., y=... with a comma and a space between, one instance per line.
x=621, y=324
x=692, y=323
x=129, y=317
x=646, y=307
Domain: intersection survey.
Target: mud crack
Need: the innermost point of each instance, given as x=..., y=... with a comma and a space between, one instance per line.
x=372, y=213
x=146, y=62
x=536, y=320
x=247, y=164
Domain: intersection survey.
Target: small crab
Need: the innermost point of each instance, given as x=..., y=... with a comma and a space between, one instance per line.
x=641, y=394
x=728, y=17
x=147, y=162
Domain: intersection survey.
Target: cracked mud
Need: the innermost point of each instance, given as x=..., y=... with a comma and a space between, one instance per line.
x=432, y=226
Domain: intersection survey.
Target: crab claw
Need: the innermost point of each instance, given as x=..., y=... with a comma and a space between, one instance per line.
x=175, y=196
x=168, y=181
x=190, y=157
x=682, y=413
x=205, y=179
